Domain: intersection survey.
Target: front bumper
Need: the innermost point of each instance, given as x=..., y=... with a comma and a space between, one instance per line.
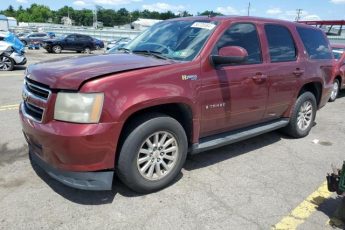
x=19, y=59
x=81, y=180
x=78, y=155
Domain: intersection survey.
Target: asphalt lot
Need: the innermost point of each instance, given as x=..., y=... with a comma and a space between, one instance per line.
x=253, y=184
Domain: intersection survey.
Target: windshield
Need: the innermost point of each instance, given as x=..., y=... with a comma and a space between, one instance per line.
x=178, y=40
x=337, y=52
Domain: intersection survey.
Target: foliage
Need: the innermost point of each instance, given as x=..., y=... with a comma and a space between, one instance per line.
x=84, y=17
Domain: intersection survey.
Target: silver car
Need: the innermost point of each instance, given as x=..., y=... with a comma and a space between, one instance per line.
x=33, y=37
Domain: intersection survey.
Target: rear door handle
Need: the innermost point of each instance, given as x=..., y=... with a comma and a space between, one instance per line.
x=298, y=72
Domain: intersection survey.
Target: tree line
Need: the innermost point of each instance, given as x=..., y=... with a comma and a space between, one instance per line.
x=84, y=17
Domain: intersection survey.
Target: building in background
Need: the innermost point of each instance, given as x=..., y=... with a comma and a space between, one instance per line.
x=143, y=23
x=12, y=22
x=3, y=23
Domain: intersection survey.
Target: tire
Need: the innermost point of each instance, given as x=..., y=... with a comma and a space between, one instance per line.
x=6, y=63
x=335, y=90
x=57, y=49
x=306, y=107
x=98, y=47
x=87, y=50
x=136, y=147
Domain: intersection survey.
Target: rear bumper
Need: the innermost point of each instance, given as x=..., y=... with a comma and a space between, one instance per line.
x=80, y=180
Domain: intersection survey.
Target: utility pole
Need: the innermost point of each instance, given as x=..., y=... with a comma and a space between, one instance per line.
x=248, y=9
x=299, y=13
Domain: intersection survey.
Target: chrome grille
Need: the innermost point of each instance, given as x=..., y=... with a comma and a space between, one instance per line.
x=37, y=89
x=33, y=111
x=35, y=96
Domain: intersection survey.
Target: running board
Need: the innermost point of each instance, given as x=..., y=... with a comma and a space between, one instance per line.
x=222, y=139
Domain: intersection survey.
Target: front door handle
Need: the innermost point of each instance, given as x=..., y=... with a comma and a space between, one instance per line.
x=259, y=78
x=298, y=72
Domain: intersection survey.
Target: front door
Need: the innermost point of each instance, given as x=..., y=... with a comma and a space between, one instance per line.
x=235, y=96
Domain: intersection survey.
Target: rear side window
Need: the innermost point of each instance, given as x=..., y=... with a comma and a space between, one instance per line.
x=315, y=43
x=244, y=35
x=281, y=44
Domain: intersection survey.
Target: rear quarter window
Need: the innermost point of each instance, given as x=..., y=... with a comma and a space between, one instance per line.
x=315, y=43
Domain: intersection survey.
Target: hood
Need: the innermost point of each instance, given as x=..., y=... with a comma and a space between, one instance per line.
x=70, y=73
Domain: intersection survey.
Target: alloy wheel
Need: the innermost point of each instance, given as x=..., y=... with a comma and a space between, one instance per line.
x=305, y=115
x=157, y=155
x=335, y=90
x=5, y=63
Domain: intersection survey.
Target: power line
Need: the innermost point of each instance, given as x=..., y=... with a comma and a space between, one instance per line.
x=248, y=9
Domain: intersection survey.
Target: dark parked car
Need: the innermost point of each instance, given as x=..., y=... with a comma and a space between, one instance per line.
x=99, y=44
x=213, y=81
x=339, y=80
x=75, y=42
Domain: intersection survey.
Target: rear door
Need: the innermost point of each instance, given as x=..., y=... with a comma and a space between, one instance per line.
x=285, y=70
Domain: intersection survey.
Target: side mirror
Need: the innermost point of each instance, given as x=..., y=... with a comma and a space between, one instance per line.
x=229, y=55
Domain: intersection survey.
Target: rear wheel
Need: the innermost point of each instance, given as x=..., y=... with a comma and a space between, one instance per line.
x=303, y=116
x=335, y=90
x=6, y=63
x=57, y=49
x=153, y=153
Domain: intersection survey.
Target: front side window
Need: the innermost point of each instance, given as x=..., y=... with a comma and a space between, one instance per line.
x=315, y=43
x=178, y=40
x=244, y=35
x=281, y=44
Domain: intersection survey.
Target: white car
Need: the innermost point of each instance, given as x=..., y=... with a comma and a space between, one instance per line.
x=9, y=57
x=121, y=41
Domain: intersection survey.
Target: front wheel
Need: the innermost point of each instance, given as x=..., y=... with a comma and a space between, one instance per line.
x=335, y=90
x=303, y=116
x=57, y=49
x=6, y=63
x=153, y=153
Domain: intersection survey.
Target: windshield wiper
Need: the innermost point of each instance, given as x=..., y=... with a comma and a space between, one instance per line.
x=151, y=53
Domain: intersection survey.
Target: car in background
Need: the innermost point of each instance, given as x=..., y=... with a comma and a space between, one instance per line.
x=10, y=57
x=74, y=42
x=99, y=44
x=113, y=43
x=33, y=37
x=339, y=80
x=51, y=34
x=115, y=48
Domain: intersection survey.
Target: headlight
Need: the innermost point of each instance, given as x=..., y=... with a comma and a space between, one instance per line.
x=79, y=107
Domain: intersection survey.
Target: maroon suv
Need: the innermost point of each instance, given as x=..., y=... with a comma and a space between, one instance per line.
x=339, y=80
x=183, y=86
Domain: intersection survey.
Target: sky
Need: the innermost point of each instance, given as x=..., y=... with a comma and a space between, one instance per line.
x=283, y=9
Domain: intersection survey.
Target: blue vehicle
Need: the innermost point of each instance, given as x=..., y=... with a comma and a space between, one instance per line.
x=99, y=44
